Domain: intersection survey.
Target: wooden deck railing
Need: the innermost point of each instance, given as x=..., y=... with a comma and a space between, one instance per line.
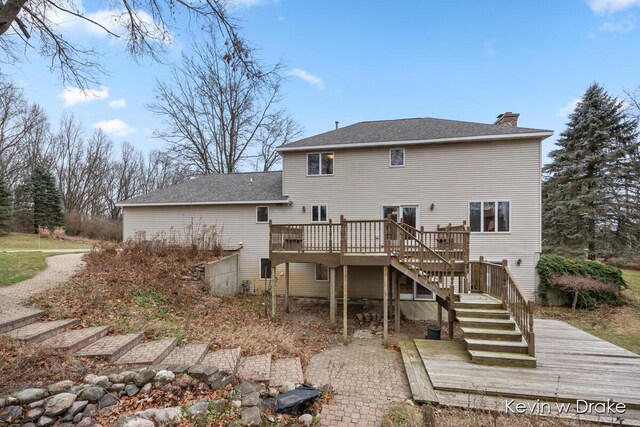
x=366, y=237
x=498, y=281
x=417, y=256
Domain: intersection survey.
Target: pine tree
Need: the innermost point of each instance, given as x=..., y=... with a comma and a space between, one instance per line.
x=5, y=208
x=38, y=202
x=582, y=191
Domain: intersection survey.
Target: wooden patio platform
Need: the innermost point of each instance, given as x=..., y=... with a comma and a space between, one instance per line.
x=572, y=365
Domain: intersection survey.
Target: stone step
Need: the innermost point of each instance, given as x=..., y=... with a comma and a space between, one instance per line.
x=189, y=354
x=227, y=360
x=19, y=319
x=41, y=331
x=148, y=353
x=72, y=341
x=111, y=347
x=483, y=313
x=495, y=358
x=500, y=346
x=286, y=370
x=482, y=323
x=491, y=334
x=256, y=368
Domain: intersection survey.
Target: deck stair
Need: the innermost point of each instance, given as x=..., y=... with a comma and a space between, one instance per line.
x=491, y=334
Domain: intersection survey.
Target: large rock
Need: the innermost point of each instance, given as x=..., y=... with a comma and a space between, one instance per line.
x=92, y=393
x=287, y=386
x=127, y=376
x=90, y=410
x=218, y=380
x=143, y=377
x=146, y=389
x=201, y=371
x=12, y=411
x=58, y=404
x=306, y=419
x=45, y=421
x=251, y=399
x=117, y=378
x=29, y=395
x=132, y=421
x=101, y=381
x=218, y=405
x=198, y=411
x=131, y=389
x=164, y=377
x=60, y=387
x=107, y=400
x=246, y=387
x=34, y=414
x=77, y=406
x=251, y=417
x=184, y=381
x=86, y=422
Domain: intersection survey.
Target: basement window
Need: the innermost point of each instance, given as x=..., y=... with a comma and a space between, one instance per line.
x=490, y=216
x=262, y=214
x=322, y=273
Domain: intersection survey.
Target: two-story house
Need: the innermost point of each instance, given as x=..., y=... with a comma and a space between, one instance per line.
x=339, y=199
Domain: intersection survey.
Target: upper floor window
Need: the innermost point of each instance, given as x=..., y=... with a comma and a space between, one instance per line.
x=262, y=214
x=490, y=216
x=396, y=157
x=320, y=163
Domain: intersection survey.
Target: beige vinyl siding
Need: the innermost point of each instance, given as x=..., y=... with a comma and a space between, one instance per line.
x=447, y=175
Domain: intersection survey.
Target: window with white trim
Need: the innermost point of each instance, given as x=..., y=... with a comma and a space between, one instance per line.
x=322, y=273
x=490, y=216
x=320, y=163
x=319, y=213
x=265, y=268
x=262, y=214
x=396, y=157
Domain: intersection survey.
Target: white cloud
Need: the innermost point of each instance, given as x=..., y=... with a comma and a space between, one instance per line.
x=611, y=6
x=568, y=108
x=250, y=3
x=74, y=95
x=623, y=26
x=307, y=77
x=115, y=127
x=118, y=103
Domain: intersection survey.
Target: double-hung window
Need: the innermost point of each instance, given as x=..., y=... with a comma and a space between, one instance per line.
x=320, y=163
x=262, y=214
x=490, y=216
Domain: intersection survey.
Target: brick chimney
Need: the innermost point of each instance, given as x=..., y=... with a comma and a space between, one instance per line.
x=507, y=119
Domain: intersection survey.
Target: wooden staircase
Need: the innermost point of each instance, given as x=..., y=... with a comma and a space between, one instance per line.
x=491, y=334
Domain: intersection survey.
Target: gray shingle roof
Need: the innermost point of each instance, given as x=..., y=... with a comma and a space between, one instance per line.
x=407, y=130
x=218, y=188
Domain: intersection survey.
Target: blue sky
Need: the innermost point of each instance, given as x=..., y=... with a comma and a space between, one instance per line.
x=368, y=60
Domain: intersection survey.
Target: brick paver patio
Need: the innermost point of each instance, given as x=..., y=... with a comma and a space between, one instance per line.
x=256, y=368
x=286, y=370
x=190, y=354
x=225, y=360
x=14, y=297
x=367, y=379
x=148, y=353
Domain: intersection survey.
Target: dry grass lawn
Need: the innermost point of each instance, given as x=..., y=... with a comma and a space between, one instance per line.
x=19, y=266
x=618, y=325
x=26, y=241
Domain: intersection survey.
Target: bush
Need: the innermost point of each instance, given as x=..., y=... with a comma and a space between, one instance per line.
x=92, y=228
x=552, y=266
x=625, y=263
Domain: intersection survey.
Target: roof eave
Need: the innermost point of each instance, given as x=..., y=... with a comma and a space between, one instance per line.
x=237, y=202
x=542, y=135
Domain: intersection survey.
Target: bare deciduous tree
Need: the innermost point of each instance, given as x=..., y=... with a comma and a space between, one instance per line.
x=143, y=26
x=217, y=115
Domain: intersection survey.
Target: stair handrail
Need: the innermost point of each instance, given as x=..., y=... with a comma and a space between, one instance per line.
x=419, y=242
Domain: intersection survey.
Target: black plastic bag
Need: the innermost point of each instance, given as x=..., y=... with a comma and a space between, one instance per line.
x=294, y=402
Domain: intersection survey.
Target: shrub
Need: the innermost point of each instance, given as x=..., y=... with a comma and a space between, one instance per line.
x=625, y=263
x=579, y=286
x=92, y=227
x=58, y=233
x=552, y=266
x=44, y=232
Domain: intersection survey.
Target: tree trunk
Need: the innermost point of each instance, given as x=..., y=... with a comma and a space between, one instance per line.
x=8, y=13
x=575, y=300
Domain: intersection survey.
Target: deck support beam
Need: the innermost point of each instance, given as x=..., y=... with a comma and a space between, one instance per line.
x=385, y=306
x=286, y=287
x=440, y=315
x=396, y=297
x=451, y=319
x=345, y=283
x=273, y=294
x=332, y=296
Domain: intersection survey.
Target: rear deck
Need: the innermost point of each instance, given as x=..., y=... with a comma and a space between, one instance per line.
x=571, y=365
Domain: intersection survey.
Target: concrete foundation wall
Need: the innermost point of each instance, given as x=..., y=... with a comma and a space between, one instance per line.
x=222, y=276
x=421, y=310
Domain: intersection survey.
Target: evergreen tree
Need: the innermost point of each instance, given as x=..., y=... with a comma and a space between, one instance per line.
x=5, y=208
x=38, y=202
x=583, y=195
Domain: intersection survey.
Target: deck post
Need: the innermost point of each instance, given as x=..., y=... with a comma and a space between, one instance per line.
x=482, y=286
x=332, y=296
x=286, y=287
x=385, y=306
x=273, y=293
x=396, y=297
x=345, y=282
x=440, y=315
x=505, y=301
x=451, y=319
